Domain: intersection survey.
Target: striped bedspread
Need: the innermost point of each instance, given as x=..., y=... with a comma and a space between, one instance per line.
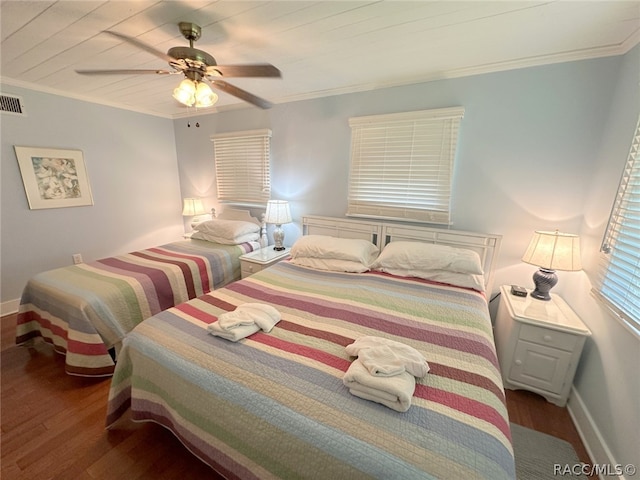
x=84, y=310
x=273, y=405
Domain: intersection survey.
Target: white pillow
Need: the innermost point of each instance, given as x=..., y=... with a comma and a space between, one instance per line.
x=249, y=237
x=327, y=247
x=330, y=264
x=229, y=230
x=426, y=256
x=467, y=280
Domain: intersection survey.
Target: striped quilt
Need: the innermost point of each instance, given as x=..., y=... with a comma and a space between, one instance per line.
x=86, y=309
x=273, y=405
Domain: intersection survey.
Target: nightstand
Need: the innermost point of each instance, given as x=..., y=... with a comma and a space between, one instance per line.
x=257, y=260
x=539, y=344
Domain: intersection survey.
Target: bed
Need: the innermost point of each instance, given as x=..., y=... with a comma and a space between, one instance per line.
x=274, y=405
x=85, y=310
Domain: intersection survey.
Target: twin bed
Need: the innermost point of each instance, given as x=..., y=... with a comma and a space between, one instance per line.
x=274, y=405
x=86, y=310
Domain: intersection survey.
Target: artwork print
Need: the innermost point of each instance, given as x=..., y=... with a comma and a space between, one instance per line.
x=54, y=178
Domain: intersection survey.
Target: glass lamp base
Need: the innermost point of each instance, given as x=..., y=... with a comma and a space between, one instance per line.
x=278, y=238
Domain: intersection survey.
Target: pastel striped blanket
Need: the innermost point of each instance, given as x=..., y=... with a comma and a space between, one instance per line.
x=273, y=405
x=86, y=309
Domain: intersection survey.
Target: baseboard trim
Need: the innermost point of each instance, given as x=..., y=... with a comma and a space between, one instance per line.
x=589, y=433
x=7, y=308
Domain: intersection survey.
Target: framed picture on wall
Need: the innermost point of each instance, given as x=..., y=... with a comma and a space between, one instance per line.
x=54, y=178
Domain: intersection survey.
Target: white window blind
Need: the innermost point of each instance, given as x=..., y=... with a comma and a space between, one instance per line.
x=402, y=165
x=242, y=161
x=619, y=284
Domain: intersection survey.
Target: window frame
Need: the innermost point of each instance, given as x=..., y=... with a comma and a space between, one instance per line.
x=411, y=156
x=618, y=282
x=243, y=166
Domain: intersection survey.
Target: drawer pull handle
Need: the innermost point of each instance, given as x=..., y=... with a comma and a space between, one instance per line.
x=518, y=362
x=547, y=338
x=251, y=268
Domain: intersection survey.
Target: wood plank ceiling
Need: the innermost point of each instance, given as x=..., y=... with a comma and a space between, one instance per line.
x=321, y=47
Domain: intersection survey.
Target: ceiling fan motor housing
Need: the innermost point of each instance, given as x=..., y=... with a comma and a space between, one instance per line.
x=191, y=60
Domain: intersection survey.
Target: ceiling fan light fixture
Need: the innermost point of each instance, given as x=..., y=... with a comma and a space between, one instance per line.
x=185, y=93
x=205, y=97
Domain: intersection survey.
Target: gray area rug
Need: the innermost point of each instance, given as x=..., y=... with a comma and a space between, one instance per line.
x=539, y=456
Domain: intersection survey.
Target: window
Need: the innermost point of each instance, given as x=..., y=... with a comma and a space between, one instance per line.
x=242, y=162
x=619, y=284
x=402, y=165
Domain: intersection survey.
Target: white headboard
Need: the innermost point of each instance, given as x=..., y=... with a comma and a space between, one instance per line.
x=487, y=246
x=343, y=228
x=237, y=214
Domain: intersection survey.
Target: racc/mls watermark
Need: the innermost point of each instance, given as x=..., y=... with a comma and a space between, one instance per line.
x=594, y=470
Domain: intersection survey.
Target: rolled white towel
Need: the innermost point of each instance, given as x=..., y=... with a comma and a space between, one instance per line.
x=245, y=320
x=394, y=392
x=385, y=357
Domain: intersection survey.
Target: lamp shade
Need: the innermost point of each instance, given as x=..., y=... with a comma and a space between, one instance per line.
x=185, y=92
x=554, y=251
x=277, y=212
x=197, y=94
x=192, y=207
x=204, y=96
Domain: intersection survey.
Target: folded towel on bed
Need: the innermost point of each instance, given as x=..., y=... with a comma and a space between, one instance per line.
x=260, y=314
x=394, y=392
x=384, y=357
x=234, y=334
x=245, y=320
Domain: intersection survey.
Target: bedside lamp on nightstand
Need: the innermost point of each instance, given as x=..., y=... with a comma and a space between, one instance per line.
x=278, y=213
x=551, y=251
x=192, y=207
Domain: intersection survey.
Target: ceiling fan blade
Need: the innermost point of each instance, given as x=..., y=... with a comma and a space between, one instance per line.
x=258, y=70
x=142, y=45
x=124, y=72
x=241, y=94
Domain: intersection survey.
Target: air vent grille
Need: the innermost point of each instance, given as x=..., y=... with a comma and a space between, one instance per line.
x=11, y=104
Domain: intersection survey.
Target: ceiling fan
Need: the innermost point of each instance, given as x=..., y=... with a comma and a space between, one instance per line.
x=197, y=66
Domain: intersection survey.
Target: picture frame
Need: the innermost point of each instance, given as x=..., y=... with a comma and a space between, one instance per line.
x=53, y=177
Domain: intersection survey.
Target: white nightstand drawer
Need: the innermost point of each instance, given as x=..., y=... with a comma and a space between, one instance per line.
x=250, y=268
x=258, y=260
x=548, y=337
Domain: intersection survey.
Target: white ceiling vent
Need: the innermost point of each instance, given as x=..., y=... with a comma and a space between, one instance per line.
x=11, y=104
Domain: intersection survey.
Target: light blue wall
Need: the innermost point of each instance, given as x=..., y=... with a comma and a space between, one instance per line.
x=132, y=167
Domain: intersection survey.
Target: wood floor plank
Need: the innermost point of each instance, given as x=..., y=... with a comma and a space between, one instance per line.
x=52, y=424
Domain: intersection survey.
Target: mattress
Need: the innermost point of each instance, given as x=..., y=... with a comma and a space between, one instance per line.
x=85, y=310
x=273, y=405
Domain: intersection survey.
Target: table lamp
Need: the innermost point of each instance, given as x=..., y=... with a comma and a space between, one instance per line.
x=551, y=251
x=192, y=207
x=278, y=213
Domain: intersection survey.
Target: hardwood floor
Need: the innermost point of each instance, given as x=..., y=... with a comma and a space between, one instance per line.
x=52, y=424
